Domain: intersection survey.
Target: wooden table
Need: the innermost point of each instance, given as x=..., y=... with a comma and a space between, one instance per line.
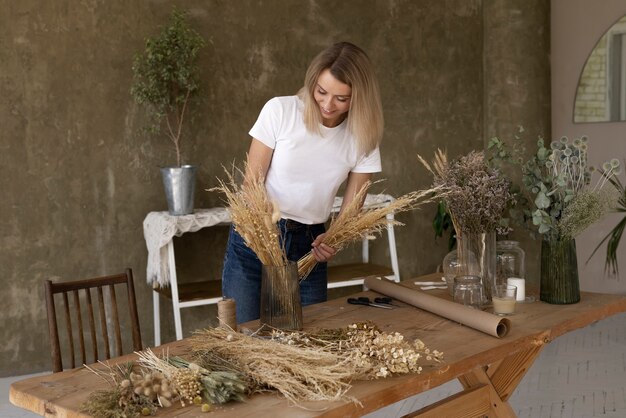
x=488, y=368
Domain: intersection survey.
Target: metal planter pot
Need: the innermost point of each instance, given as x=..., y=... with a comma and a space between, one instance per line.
x=180, y=187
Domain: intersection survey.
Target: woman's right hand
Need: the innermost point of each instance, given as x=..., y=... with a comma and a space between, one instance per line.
x=322, y=252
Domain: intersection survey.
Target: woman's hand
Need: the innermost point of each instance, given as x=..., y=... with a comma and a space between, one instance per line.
x=322, y=252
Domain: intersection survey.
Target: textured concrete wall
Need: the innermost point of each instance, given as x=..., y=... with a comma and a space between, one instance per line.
x=77, y=178
x=517, y=85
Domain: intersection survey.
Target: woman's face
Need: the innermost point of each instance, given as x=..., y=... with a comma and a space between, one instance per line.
x=333, y=98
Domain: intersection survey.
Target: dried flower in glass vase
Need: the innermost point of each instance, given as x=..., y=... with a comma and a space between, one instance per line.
x=559, y=200
x=477, y=197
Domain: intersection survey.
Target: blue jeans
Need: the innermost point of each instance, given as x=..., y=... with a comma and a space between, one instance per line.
x=241, y=277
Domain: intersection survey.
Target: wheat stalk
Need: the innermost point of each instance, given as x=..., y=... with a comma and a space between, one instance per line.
x=255, y=216
x=300, y=374
x=353, y=223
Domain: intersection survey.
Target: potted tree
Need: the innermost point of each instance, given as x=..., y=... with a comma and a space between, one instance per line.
x=166, y=82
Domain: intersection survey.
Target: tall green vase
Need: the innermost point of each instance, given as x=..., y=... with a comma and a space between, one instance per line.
x=559, y=272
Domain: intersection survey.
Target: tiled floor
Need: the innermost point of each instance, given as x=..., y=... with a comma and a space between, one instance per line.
x=579, y=375
x=7, y=410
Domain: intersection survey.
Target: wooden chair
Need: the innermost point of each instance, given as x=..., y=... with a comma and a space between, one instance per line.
x=108, y=317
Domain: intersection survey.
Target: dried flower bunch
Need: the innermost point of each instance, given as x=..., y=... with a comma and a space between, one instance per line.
x=121, y=401
x=558, y=195
x=375, y=353
x=157, y=383
x=191, y=382
x=476, y=195
x=298, y=373
x=254, y=217
x=353, y=223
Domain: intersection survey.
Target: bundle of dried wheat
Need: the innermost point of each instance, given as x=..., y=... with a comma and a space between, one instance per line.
x=300, y=374
x=255, y=217
x=353, y=223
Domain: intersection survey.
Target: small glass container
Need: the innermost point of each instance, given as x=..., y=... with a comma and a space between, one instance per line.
x=504, y=299
x=509, y=261
x=452, y=267
x=468, y=291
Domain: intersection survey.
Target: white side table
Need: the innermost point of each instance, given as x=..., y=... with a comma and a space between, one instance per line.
x=159, y=229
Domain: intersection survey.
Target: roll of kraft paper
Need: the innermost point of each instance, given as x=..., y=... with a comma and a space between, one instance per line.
x=479, y=320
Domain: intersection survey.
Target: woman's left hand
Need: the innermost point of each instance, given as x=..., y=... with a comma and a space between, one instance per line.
x=322, y=252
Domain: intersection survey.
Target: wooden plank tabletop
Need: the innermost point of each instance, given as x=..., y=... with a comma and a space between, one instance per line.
x=61, y=394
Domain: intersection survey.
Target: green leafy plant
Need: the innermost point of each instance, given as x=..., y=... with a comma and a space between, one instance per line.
x=442, y=222
x=557, y=196
x=166, y=77
x=614, y=237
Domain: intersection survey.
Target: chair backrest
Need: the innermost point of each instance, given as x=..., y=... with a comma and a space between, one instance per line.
x=108, y=317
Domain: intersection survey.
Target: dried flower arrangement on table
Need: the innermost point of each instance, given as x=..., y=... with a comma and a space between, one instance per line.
x=476, y=196
x=559, y=200
x=225, y=365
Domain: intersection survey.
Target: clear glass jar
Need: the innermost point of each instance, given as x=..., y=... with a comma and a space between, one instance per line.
x=453, y=267
x=509, y=261
x=468, y=291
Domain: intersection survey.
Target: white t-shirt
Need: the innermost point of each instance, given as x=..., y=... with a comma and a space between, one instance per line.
x=307, y=169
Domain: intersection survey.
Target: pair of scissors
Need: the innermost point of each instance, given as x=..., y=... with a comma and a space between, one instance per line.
x=367, y=302
x=384, y=301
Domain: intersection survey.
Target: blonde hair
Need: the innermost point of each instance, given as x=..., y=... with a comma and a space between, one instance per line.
x=349, y=64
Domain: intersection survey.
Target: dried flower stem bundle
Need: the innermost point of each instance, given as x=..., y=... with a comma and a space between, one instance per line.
x=354, y=222
x=191, y=381
x=476, y=195
x=121, y=401
x=300, y=374
x=587, y=208
x=254, y=217
x=375, y=353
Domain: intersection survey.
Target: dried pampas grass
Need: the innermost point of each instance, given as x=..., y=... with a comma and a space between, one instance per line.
x=353, y=223
x=300, y=374
x=254, y=216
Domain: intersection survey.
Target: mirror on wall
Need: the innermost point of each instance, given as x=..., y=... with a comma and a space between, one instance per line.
x=601, y=91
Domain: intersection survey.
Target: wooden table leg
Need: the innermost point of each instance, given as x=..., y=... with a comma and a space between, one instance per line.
x=508, y=373
x=486, y=389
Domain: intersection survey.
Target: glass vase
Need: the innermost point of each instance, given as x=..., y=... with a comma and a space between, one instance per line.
x=559, y=272
x=510, y=261
x=476, y=253
x=280, y=297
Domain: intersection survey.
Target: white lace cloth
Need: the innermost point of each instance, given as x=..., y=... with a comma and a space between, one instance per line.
x=159, y=228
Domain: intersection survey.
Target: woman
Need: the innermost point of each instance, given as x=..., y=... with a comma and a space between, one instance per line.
x=305, y=147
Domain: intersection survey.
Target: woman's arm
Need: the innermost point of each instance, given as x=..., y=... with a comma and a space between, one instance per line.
x=356, y=181
x=321, y=251
x=259, y=159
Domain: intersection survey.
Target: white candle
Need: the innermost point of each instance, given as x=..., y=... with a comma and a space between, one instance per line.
x=521, y=287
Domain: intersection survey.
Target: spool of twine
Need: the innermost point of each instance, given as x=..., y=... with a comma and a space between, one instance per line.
x=226, y=313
